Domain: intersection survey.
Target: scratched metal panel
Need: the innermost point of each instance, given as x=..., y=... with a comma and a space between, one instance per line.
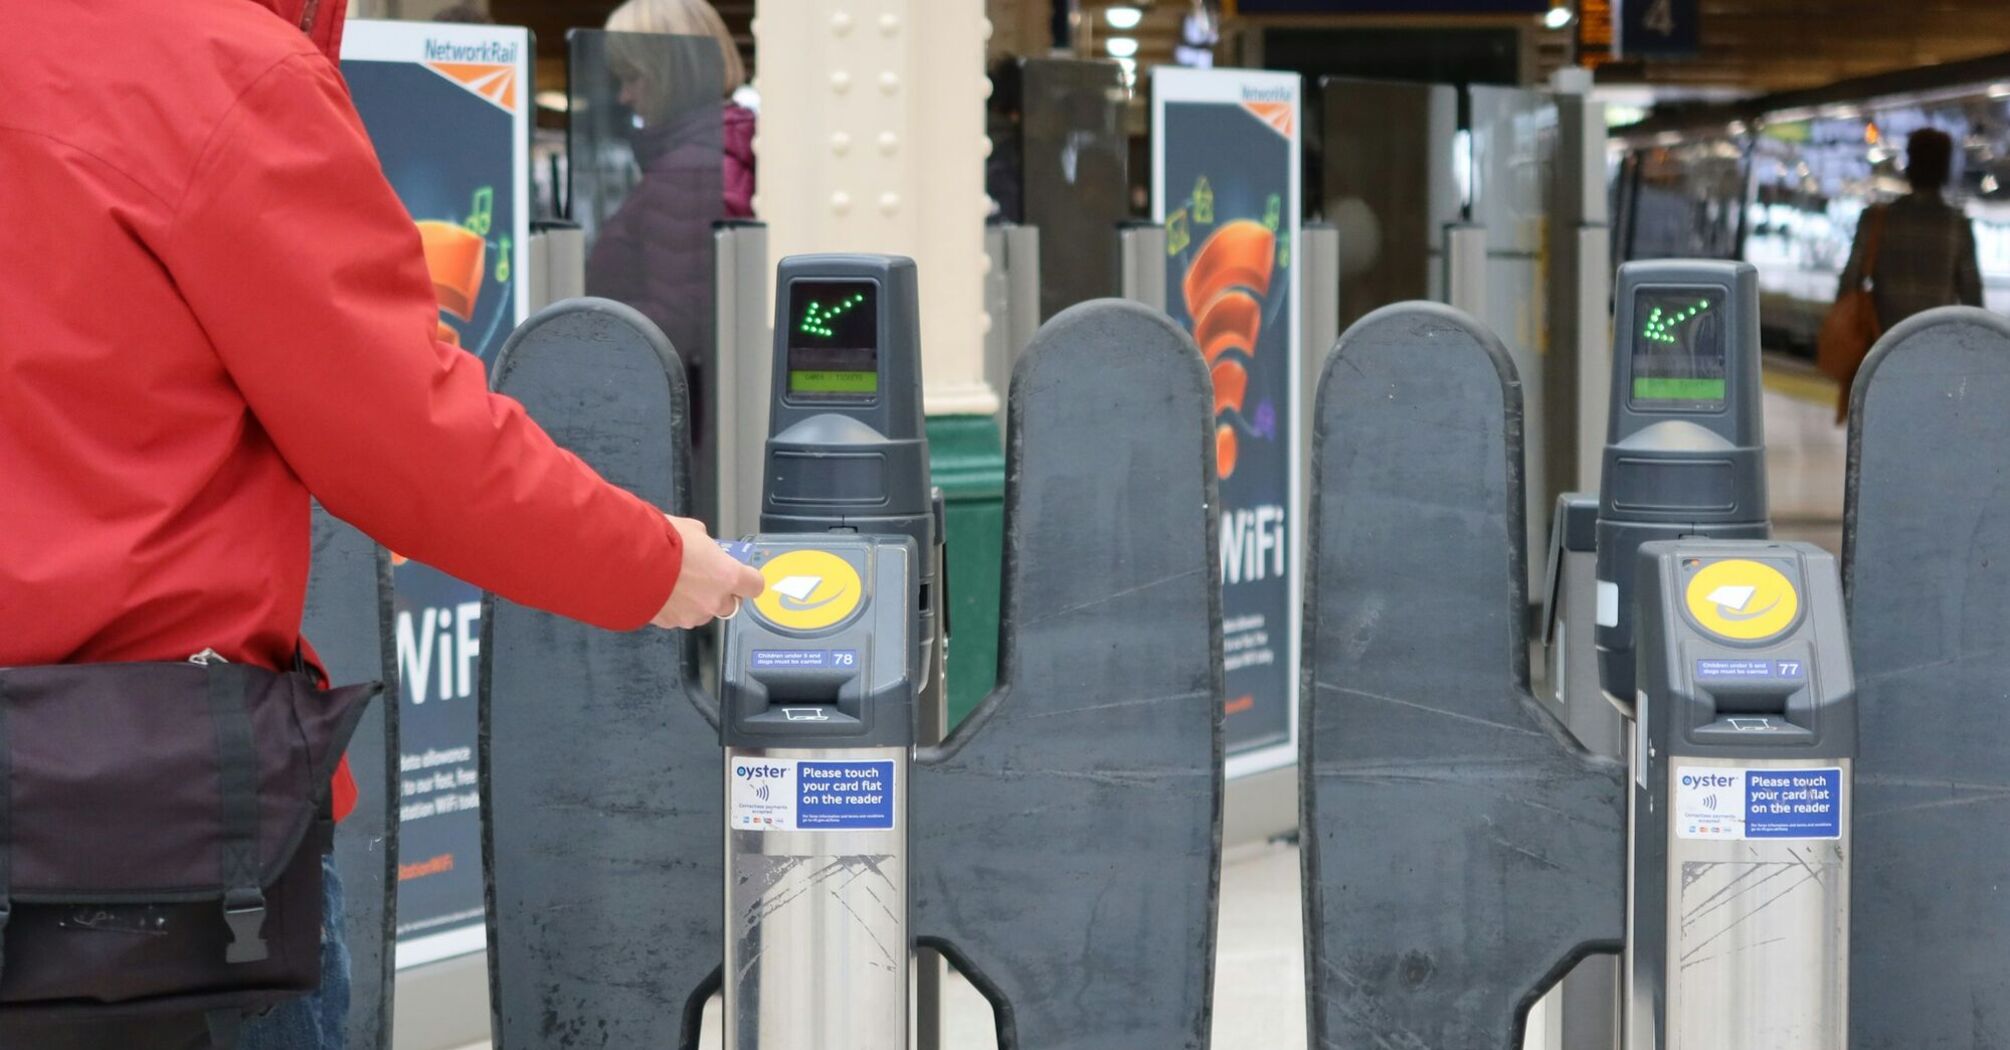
x=1460, y=851
x=600, y=757
x=348, y=622
x=1926, y=556
x=1066, y=848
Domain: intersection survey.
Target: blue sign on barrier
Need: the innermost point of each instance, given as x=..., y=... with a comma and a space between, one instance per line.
x=1727, y=803
x=793, y=794
x=1793, y=804
x=1751, y=670
x=848, y=796
x=803, y=659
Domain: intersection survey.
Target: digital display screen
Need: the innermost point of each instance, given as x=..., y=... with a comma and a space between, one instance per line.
x=1679, y=356
x=833, y=340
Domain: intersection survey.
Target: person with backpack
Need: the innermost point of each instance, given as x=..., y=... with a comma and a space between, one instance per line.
x=212, y=308
x=1910, y=255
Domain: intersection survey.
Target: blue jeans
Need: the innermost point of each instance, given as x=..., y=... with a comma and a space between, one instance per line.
x=320, y=1021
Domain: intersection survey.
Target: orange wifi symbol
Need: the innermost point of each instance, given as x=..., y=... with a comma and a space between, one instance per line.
x=1224, y=289
x=455, y=256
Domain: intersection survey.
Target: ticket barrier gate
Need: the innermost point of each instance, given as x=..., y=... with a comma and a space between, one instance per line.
x=819, y=681
x=1738, y=930
x=1460, y=852
x=1730, y=657
x=1501, y=843
x=1500, y=856
x=1096, y=762
x=1926, y=531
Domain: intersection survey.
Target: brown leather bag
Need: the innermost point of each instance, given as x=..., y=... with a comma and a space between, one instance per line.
x=1851, y=327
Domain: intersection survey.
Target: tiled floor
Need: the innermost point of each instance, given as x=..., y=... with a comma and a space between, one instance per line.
x=1259, y=977
x=1259, y=973
x=1806, y=455
x=1259, y=1001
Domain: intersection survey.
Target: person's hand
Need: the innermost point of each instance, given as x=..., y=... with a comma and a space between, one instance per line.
x=711, y=584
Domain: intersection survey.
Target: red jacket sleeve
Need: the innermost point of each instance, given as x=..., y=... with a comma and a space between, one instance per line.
x=306, y=272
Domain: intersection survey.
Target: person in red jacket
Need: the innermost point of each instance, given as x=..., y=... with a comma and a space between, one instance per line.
x=212, y=307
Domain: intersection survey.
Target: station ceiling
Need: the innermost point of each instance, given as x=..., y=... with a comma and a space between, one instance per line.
x=1781, y=45
x=1748, y=45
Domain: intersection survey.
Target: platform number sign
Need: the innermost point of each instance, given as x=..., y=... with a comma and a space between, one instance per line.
x=1659, y=28
x=1661, y=17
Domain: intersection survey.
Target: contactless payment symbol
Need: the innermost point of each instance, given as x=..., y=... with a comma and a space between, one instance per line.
x=1742, y=600
x=808, y=590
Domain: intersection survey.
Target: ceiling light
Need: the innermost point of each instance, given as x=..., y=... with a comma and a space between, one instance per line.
x=1121, y=46
x=1557, y=17
x=557, y=100
x=1123, y=16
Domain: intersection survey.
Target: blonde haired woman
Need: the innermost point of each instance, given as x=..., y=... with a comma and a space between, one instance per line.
x=652, y=81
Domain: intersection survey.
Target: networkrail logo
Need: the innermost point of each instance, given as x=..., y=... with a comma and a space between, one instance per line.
x=489, y=51
x=1275, y=106
x=487, y=67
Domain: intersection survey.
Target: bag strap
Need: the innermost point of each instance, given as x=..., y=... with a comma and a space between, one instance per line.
x=6, y=823
x=237, y=779
x=1877, y=215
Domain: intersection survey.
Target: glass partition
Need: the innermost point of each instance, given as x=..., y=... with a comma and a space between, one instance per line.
x=647, y=143
x=1390, y=185
x=1513, y=136
x=1074, y=160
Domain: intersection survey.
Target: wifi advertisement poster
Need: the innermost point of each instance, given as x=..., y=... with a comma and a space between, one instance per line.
x=448, y=110
x=1225, y=184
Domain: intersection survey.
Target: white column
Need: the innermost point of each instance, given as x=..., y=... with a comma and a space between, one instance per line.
x=871, y=139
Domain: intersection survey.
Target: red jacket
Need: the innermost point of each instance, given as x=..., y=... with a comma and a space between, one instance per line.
x=212, y=305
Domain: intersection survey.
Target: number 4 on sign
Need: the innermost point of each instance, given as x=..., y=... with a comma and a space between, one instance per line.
x=1660, y=17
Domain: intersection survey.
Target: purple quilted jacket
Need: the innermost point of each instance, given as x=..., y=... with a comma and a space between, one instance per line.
x=655, y=252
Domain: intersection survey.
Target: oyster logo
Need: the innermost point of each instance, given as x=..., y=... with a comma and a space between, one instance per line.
x=1742, y=600
x=808, y=590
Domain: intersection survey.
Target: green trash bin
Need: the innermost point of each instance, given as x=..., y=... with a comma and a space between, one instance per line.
x=967, y=462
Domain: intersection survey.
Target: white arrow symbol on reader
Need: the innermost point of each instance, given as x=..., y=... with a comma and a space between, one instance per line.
x=799, y=587
x=1732, y=597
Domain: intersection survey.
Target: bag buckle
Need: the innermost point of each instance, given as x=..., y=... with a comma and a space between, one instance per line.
x=244, y=913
